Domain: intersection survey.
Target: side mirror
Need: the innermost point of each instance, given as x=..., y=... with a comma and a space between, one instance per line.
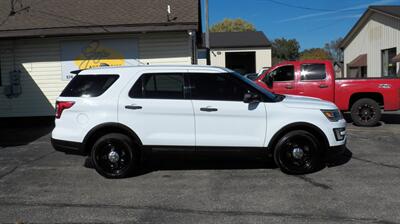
x=269, y=81
x=251, y=98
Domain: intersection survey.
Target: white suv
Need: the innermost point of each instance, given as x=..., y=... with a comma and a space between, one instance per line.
x=113, y=114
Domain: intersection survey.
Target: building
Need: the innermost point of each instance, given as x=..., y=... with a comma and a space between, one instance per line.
x=371, y=46
x=41, y=42
x=245, y=52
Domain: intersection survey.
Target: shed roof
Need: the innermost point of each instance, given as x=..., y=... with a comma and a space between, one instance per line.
x=66, y=17
x=359, y=61
x=238, y=40
x=388, y=10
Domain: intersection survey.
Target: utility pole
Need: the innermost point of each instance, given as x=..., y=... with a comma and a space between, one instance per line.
x=207, y=34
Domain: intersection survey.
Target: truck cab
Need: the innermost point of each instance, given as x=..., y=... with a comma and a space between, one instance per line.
x=364, y=98
x=314, y=78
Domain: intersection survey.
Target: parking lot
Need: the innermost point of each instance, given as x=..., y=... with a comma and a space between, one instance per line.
x=40, y=185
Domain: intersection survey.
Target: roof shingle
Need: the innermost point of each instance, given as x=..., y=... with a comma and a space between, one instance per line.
x=238, y=40
x=56, y=14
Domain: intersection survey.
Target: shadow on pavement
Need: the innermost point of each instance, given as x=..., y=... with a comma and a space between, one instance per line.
x=387, y=118
x=340, y=159
x=22, y=131
x=215, y=161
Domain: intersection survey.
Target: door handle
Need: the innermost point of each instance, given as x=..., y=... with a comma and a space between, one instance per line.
x=323, y=86
x=289, y=87
x=208, y=109
x=133, y=107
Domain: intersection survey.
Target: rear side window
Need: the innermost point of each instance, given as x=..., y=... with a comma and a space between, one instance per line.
x=88, y=85
x=159, y=86
x=313, y=72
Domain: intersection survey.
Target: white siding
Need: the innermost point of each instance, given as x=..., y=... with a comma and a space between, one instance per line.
x=379, y=33
x=263, y=56
x=39, y=62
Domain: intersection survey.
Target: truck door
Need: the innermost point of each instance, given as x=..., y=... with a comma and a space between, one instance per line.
x=283, y=80
x=315, y=81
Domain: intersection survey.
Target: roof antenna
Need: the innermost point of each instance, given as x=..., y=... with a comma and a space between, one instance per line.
x=169, y=14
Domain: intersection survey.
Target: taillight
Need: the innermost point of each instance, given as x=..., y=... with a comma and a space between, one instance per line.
x=61, y=106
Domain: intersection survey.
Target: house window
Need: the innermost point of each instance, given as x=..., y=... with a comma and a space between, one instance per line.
x=389, y=67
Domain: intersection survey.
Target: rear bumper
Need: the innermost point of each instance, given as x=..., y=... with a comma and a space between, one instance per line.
x=68, y=146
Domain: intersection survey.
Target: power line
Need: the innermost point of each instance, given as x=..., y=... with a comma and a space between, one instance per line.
x=298, y=6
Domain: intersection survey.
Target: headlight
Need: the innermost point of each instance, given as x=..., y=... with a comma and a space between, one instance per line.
x=332, y=115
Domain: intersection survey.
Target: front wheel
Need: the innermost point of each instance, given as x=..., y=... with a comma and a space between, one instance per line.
x=366, y=112
x=113, y=156
x=298, y=152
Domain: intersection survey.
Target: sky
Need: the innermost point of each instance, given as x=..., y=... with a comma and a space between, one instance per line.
x=312, y=22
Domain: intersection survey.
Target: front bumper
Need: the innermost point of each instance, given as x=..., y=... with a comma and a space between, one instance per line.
x=68, y=146
x=334, y=151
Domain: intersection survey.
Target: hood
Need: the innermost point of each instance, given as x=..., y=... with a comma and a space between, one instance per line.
x=304, y=102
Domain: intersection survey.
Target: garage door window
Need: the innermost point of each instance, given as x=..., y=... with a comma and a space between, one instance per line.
x=159, y=86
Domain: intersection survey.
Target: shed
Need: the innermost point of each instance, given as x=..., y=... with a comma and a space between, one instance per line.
x=245, y=52
x=372, y=47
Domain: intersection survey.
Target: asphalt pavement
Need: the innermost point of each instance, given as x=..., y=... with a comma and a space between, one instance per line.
x=40, y=185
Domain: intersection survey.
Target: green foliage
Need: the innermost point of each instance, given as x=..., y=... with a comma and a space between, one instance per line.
x=285, y=49
x=232, y=25
x=315, y=53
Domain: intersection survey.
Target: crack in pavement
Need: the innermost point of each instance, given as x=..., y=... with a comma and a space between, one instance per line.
x=314, y=183
x=205, y=212
x=376, y=163
x=24, y=163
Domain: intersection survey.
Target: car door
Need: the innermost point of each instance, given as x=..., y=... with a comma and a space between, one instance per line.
x=221, y=116
x=156, y=108
x=315, y=82
x=283, y=80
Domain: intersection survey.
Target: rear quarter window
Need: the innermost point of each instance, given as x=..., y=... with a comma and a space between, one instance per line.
x=313, y=72
x=88, y=85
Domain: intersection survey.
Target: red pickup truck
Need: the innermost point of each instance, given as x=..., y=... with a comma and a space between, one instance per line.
x=363, y=97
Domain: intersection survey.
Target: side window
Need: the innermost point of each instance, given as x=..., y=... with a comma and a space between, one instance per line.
x=313, y=72
x=284, y=73
x=212, y=86
x=159, y=86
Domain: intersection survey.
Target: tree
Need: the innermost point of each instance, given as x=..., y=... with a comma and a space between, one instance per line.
x=334, y=50
x=285, y=49
x=315, y=53
x=232, y=25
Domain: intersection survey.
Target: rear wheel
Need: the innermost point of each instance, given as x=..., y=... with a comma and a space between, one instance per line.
x=298, y=152
x=365, y=112
x=113, y=156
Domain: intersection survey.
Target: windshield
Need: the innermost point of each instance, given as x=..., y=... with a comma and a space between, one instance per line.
x=271, y=96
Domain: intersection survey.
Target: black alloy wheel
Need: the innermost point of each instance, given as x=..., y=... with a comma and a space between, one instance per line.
x=366, y=112
x=298, y=152
x=113, y=156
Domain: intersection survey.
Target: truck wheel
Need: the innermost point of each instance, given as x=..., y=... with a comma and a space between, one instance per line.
x=298, y=152
x=113, y=156
x=366, y=112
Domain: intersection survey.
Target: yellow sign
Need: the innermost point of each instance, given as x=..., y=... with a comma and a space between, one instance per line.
x=95, y=55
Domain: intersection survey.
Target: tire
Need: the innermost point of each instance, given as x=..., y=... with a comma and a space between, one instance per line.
x=114, y=156
x=366, y=112
x=298, y=152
